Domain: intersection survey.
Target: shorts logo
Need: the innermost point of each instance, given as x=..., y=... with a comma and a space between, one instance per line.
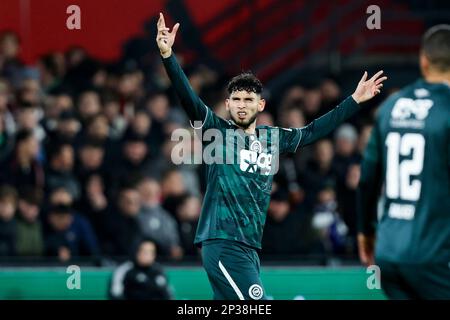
x=255, y=292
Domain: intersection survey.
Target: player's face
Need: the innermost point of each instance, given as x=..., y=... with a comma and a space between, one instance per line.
x=244, y=107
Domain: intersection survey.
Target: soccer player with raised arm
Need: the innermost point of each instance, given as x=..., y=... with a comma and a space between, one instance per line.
x=409, y=153
x=238, y=194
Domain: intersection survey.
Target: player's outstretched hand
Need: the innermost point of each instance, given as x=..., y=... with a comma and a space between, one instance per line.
x=366, y=248
x=367, y=89
x=164, y=38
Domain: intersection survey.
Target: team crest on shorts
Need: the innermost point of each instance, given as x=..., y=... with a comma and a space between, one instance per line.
x=255, y=292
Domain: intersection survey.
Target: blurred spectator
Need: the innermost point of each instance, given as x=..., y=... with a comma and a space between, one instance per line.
x=89, y=105
x=366, y=130
x=8, y=124
x=97, y=129
x=346, y=143
x=70, y=236
x=122, y=223
x=111, y=109
x=54, y=106
x=346, y=138
x=265, y=119
x=10, y=65
x=8, y=223
x=141, y=278
x=28, y=119
x=129, y=88
x=51, y=69
x=90, y=159
x=347, y=199
x=156, y=222
x=30, y=241
x=22, y=168
x=142, y=125
x=172, y=187
x=67, y=128
x=60, y=196
x=311, y=104
x=293, y=118
x=94, y=203
x=330, y=93
x=187, y=215
x=327, y=221
x=134, y=161
x=286, y=232
x=60, y=169
x=318, y=169
x=6, y=141
x=172, y=184
x=30, y=92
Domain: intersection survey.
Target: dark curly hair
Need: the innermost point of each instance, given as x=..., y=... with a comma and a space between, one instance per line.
x=245, y=81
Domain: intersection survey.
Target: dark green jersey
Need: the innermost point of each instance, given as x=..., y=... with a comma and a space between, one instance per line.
x=241, y=166
x=409, y=154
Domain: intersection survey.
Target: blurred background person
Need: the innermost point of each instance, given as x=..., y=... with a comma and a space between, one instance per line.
x=70, y=235
x=30, y=236
x=157, y=223
x=8, y=222
x=141, y=278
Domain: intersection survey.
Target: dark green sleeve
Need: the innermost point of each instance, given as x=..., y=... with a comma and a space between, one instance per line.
x=289, y=139
x=448, y=145
x=369, y=184
x=321, y=127
x=191, y=103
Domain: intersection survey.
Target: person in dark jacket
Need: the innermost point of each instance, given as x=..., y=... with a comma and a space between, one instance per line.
x=71, y=234
x=22, y=168
x=8, y=223
x=141, y=278
x=122, y=224
x=30, y=239
x=60, y=170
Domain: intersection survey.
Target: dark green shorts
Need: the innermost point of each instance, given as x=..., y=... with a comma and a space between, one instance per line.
x=233, y=270
x=415, y=281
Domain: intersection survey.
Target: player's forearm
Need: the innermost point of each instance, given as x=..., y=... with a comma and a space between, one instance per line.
x=191, y=103
x=322, y=126
x=367, y=197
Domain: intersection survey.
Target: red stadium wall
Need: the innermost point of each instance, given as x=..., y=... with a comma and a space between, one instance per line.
x=237, y=34
x=105, y=24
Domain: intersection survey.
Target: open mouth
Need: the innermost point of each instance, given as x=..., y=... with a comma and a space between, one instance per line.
x=242, y=114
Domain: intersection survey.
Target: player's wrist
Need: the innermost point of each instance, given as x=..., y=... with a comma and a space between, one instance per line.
x=356, y=98
x=166, y=54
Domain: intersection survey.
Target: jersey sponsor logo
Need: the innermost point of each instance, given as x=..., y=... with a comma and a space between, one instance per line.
x=255, y=292
x=410, y=113
x=251, y=161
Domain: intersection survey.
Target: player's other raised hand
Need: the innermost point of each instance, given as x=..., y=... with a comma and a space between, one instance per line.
x=367, y=89
x=165, y=38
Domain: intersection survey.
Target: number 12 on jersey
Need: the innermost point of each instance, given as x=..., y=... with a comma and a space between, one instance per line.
x=399, y=172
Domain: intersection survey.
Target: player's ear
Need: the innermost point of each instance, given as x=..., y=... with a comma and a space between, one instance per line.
x=424, y=63
x=261, y=105
x=227, y=104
